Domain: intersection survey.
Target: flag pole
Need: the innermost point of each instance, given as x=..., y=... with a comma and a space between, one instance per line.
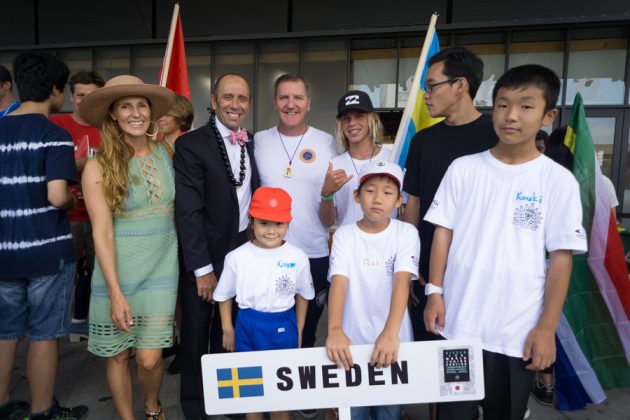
x=169, y=47
x=416, y=81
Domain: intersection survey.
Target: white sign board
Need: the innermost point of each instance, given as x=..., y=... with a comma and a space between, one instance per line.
x=428, y=371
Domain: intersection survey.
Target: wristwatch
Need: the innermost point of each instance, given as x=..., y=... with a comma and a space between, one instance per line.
x=430, y=288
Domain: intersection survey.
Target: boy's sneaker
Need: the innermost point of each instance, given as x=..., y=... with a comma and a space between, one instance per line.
x=542, y=393
x=15, y=410
x=56, y=412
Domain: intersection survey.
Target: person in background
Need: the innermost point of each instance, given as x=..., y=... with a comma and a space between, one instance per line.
x=359, y=134
x=178, y=120
x=87, y=141
x=541, y=140
x=129, y=192
x=7, y=102
x=36, y=253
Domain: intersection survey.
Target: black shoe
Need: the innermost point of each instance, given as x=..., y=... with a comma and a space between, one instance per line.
x=542, y=393
x=56, y=412
x=15, y=410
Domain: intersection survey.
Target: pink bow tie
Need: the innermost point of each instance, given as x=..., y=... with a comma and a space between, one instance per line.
x=240, y=137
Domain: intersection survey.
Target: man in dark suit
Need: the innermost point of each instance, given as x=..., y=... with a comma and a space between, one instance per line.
x=215, y=176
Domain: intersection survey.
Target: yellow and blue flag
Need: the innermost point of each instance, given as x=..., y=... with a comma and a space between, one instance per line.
x=416, y=115
x=240, y=382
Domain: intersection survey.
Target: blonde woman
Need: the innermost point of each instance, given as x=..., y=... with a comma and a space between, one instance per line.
x=359, y=134
x=129, y=192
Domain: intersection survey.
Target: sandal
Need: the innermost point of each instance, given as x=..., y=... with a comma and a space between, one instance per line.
x=154, y=415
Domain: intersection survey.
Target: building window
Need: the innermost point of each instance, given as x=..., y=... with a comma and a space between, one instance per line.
x=373, y=64
x=321, y=60
x=236, y=58
x=596, y=70
x=274, y=60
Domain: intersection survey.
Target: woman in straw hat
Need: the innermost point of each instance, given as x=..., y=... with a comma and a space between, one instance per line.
x=129, y=191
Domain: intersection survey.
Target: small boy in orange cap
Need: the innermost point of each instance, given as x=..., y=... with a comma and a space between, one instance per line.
x=268, y=276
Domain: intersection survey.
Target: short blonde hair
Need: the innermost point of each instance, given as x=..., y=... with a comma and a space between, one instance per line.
x=375, y=128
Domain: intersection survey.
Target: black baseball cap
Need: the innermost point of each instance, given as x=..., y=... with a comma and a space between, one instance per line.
x=355, y=99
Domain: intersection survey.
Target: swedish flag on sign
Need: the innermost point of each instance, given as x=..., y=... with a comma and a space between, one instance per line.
x=240, y=382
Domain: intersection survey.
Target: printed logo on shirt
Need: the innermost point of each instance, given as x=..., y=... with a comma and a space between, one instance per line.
x=368, y=262
x=580, y=233
x=389, y=265
x=308, y=155
x=527, y=216
x=282, y=264
x=434, y=204
x=533, y=198
x=284, y=286
x=415, y=260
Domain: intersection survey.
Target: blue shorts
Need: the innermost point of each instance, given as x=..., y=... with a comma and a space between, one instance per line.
x=265, y=330
x=37, y=305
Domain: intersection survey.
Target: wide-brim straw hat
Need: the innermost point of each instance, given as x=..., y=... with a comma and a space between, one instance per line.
x=94, y=107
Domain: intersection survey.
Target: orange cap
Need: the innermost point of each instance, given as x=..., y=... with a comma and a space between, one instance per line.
x=272, y=204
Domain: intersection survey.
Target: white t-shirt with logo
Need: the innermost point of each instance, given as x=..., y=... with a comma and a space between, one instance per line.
x=503, y=217
x=348, y=210
x=309, y=166
x=369, y=261
x=265, y=279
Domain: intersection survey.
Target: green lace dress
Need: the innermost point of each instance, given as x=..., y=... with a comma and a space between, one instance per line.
x=146, y=258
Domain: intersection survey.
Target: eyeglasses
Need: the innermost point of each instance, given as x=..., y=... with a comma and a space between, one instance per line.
x=429, y=88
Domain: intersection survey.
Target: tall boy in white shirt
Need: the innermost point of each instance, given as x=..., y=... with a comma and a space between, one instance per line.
x=496, y=214
x=371, y=266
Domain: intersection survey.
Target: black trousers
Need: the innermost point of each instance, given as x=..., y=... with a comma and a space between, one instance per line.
x=507, y=384
x=201, y=333
x=319, y=272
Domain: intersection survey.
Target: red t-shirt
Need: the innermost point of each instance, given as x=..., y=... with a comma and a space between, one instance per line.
x=85, y=137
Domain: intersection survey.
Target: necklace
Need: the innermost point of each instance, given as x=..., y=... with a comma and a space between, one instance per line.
x=225, y=158
x=288, y=172
x=355, y=166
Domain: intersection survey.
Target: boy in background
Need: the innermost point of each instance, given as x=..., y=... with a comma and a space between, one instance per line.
x=496, y=213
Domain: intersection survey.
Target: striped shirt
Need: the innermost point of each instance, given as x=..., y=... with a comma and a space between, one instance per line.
x=34, y=235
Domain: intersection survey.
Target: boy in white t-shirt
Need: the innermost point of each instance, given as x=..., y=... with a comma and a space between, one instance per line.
x=371, y=265
x=496, y=214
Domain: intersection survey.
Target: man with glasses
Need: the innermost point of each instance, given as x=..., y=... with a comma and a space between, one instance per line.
x=452, y=81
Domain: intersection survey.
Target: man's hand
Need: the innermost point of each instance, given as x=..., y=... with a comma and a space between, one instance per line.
x=540, y=347
x=338, y=349
x=206, y=285
x=385, y=350
x=335, y=179
x=434, y=314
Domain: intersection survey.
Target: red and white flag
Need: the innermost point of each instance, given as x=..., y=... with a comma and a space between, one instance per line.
x=174, y=72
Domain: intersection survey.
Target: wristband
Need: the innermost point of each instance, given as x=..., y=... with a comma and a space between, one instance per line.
x=430, y=289
x=327, y=197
